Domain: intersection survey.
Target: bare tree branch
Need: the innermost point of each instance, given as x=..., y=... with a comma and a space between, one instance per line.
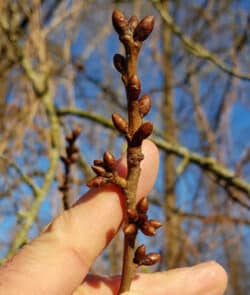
x=196, y=48
x=212, y=218
x=25, y=178
x=209, y=164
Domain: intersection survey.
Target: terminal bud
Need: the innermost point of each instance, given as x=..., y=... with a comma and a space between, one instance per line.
x=144, y=28
x=119, y=21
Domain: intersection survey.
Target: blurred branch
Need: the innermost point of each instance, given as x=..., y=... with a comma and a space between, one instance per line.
x=202, y=122
x=39, y=79
x=196, y=48
x=243, y=160
x=208, y=164
x=234, y=195
x=62, y=16
x=212, y=218
x=25, y=178
x=86, y=115
x=94, y=117
x=218, y=218
x=30, y=216
x=87, y=171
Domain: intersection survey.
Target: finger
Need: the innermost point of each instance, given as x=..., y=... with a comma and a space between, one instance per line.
x=207, y=278
x=57, y=261
x=203, y=279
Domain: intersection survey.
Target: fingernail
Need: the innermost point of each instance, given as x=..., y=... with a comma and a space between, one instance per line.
x=209, y=278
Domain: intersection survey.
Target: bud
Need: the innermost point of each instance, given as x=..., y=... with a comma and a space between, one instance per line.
x=150, y=259
x=98, y=162
x=130, y=229
x=73, y=158
x=119, y=63
x=133, y=88
x=133, y=22
x=144, y=28
x=148, y=229
x=120, y=123
x=69, y=138
x=109, y=161
x=143, y=132
x=99, y=170
x=155, y=223
x=132, y=215
x=144, y=105
x=76, y=132
x=96, y=181
x=142, y=205
x=119, y=21
x=140, y=253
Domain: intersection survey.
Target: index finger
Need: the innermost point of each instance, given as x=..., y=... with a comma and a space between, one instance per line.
x=58, y=260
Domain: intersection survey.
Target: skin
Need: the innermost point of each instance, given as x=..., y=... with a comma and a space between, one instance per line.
x=57, y=262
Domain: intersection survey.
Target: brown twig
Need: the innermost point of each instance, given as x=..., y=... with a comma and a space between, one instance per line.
x=131, y=33
x=70, y=158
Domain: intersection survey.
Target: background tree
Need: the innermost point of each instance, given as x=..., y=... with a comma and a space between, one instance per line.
x=56, y=74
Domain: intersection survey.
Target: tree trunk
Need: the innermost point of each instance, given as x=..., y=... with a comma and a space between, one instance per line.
x=172, y=222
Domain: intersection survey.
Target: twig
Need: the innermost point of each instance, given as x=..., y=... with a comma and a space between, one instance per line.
x=212, y=218
x=75, y=9
x=243, y=160
x=71, y=157
x=131, y=33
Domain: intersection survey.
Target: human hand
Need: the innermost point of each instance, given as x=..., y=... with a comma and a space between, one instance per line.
x=57, y=262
